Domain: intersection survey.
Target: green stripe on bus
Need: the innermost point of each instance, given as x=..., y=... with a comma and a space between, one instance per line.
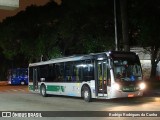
x=55, y=88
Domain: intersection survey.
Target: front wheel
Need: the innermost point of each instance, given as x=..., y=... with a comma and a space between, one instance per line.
x=43, y=91
x=86, y=93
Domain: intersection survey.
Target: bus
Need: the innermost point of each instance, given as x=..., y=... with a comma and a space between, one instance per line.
x=18, y=76
x=105, y=75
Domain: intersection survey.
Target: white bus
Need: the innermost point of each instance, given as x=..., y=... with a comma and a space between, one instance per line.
x=104, y=75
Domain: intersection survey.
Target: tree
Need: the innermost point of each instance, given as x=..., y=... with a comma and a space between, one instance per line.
x=86, y=24
x=147, y=20
x=74, y=27
x=31, y=33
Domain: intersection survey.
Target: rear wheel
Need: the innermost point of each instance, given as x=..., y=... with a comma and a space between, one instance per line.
x=86, y=94
x=43, y=90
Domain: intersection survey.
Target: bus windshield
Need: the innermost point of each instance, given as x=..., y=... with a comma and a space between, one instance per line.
x=127, y=70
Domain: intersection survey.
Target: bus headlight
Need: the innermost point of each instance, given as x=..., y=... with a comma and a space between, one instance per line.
x=142, y=86
x=116, y=86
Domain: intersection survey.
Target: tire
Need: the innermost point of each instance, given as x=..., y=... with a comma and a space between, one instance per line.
x=43, y=91
x=86, y=94
x=22, y=83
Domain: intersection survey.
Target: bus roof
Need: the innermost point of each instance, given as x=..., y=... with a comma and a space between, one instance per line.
x=76, y=58
x=63, y=59
x=67, y=59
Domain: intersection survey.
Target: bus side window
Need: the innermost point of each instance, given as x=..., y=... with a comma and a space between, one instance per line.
x=70, y=72
x=67, y=72
x=88, y=70
x=51, y=73
x=44, y=72
x=59, y=67
x=75, y=72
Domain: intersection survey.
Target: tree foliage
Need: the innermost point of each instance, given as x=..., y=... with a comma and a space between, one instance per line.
x=74, y=27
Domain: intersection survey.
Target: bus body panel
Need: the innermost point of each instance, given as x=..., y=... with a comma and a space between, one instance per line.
x=68, y=89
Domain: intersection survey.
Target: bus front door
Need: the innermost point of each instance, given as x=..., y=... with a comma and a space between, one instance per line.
x=102, y=78
x=35, y=79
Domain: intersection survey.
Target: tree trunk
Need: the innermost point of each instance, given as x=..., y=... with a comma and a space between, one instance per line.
x=153, y=72
x=124, y=18
x=154, y=51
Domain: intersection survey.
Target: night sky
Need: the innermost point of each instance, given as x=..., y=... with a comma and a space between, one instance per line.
x=22, y=5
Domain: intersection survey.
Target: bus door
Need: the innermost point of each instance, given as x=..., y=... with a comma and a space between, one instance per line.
x=101, y=82
x=35, y=79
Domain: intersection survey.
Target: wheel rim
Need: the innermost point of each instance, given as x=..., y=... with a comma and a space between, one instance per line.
x=43, y=91
x=86, y=94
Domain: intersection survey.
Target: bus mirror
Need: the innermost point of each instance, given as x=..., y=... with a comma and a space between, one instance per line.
x=42, y=79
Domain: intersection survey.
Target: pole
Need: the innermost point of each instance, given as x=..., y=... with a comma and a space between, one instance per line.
x=115, y=26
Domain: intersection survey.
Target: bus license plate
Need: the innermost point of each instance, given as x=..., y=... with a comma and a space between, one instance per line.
x=130, y=95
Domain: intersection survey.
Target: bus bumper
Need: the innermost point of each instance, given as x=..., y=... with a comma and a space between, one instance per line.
x=121, y=94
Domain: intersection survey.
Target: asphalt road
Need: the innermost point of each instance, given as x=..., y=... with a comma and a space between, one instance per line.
x=19, y=99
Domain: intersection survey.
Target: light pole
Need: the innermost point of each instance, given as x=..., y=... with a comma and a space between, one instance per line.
x=115, y=26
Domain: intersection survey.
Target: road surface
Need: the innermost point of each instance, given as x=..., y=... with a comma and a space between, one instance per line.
x=18, y=98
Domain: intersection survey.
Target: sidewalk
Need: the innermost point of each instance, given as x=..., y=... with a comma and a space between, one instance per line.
x=155, y=92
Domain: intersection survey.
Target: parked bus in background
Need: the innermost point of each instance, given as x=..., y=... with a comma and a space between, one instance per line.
x=18, y=76
x=104, y=75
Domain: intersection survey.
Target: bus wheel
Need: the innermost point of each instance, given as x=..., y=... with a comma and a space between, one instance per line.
x=43, y=90
x=86, y=93
x=22, y=82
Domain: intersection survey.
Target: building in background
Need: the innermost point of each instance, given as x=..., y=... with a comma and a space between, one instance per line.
x=145, y=59
x=9, y=4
